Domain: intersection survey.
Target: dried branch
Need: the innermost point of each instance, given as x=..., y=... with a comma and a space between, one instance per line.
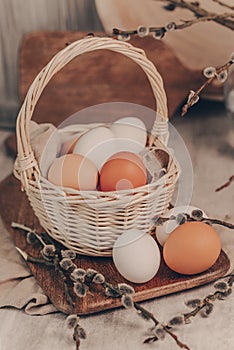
x=63, y=277
x=201, y=15
x=231, y=279
x=204, y=307
x=145, y=313
x=159, y=32
x=224, y=4
x=28, y=230
x=196, y=215
x=82, y=279
x=226, y=184
x=219, y=222
x=51, y=257
x=189, y=23
x=174, y=336
x=33, y=260
x=223, y=290
x=198, y=11
x=194, y=95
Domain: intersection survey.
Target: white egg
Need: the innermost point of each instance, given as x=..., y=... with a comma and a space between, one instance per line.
x=130, y=133
x=97, y=144
x=136, y=256
x=164, y=231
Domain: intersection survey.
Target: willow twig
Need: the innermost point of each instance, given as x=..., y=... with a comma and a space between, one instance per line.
x=150, y=316
x=222, y=290
x=198, y=11
x=176, y=26
x=161, y=220
x=201, y=15
x=174, y=336
x=189, y=23
x=34, y=260
x=28, y=229
x=226, y=184
x=191, y=101
x=124, y=291
x=219, y=222
x=146, y=314
x=21, y=227
x=53, y=261
x=231, y=280
x=66, y=288
x=211, y=298
x=224, y=4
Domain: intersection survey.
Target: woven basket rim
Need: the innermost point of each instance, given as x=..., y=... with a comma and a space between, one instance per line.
x=133, y=208
x=28, y=165
x=103, y=194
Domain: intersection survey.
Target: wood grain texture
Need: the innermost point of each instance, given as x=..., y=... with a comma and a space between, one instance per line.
x=165, y=282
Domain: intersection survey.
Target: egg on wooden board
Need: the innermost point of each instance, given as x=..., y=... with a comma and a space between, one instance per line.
x=97, y=144
x=130, y=133
x=163, y=231
x=192, y=247
x=122, y=171
x=74, y=171
x=136, y=256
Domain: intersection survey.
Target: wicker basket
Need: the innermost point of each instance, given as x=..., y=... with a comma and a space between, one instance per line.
x=89, y=222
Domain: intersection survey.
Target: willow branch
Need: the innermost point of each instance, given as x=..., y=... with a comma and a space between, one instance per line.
x=161, y=220
x=65, y=284
x=28, y=229
x=220, y=222
x=224, y=4
x=174, y=336
x=150, y=316
x=176, y=26
x=214, y=17
x=33, y=260
x=228, y=183
x=193, y=100
x=201, y=12
x=231, y=280
x=146, y=313
x=211, y=298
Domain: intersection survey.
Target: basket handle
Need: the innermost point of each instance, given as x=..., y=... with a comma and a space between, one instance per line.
x=26, y=163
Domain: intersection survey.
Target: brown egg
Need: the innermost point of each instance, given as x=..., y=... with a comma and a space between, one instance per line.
x=192, y=248
x=122, y=171
x=74, y=171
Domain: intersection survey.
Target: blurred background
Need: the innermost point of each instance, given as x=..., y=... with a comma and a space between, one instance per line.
x=19, y=17
x=198, y=46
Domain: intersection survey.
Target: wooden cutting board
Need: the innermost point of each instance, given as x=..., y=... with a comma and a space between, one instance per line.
x=15, y=207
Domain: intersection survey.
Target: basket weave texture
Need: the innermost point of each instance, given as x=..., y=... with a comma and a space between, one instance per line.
x=89, y=222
